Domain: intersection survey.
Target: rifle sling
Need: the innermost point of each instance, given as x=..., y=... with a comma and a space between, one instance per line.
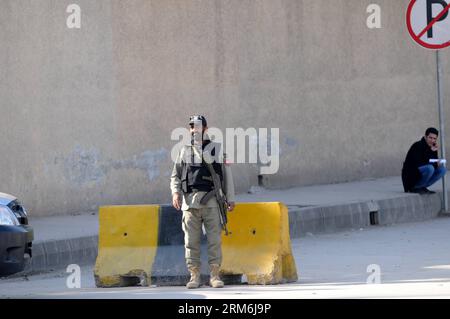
x=214, y=176
x=207, y=197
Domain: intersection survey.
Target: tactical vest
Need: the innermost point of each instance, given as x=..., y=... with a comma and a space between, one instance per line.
x=196, y=176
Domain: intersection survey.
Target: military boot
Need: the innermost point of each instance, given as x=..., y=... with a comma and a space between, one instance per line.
x=214, y=280
x=194, y=282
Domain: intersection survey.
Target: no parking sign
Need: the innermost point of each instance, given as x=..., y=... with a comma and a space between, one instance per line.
x=428, y=23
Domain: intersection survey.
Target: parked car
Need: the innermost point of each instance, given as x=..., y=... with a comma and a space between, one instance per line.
x=16, y=236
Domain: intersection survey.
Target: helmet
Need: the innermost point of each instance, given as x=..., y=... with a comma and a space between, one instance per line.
x=198, y=118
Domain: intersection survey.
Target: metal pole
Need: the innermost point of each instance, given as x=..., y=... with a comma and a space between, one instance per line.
x=441, y=127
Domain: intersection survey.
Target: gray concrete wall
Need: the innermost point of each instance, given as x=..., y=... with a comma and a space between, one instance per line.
x=87, y=113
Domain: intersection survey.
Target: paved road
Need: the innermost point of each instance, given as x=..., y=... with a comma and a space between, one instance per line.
x=414, y=260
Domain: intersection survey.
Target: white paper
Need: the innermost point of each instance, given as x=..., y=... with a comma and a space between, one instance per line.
x=437, y=160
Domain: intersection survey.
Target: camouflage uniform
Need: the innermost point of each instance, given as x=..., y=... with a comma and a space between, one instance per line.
x=195, y=213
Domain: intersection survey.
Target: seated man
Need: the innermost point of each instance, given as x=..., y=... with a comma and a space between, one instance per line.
x=418, y=173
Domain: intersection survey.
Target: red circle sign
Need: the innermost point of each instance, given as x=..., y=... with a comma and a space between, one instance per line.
x=428, y=23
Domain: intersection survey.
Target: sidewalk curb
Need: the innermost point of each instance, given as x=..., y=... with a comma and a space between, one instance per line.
x=58, y=254
x=303, y=221
x=335, y=218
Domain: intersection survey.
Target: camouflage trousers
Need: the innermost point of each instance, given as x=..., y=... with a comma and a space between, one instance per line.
x=192, y=227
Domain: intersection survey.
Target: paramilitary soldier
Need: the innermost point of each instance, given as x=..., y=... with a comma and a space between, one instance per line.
x=193, y=191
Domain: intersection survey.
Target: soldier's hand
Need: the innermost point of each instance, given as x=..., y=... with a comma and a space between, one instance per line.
x=231, y=206
x=176, y=201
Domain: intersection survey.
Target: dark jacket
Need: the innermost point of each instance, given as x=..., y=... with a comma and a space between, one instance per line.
x=418, y=155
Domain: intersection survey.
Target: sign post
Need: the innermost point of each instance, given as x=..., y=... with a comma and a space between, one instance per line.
x=428, y=23
x=441, y=126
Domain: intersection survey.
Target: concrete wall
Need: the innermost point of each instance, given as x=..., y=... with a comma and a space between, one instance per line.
x=87, y=113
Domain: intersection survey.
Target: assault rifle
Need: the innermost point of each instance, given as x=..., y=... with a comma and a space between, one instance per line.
x=220, y=196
